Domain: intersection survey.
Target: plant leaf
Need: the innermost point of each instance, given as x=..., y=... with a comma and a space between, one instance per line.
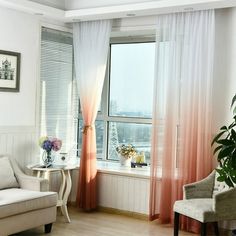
x=217, y=137
x=225, y=152
x=233, y=134
x=232, y=125
x=233, y=101
x=229, y=182
x=223, y=128
x=217, y=149
x=225, y=142
x=221, y=178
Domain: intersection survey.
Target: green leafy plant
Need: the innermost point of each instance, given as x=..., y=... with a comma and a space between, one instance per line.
x=225, y=150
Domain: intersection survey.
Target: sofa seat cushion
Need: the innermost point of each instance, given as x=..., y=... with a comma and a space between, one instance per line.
x=16, y=201
x=200, y=209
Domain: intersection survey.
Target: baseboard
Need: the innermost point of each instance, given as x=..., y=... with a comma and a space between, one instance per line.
x=117, y=212
x=123, y=212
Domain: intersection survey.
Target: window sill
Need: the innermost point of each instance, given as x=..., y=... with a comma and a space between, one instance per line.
x=114, y=168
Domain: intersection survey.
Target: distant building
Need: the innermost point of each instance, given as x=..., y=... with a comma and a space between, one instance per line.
x=6, y=72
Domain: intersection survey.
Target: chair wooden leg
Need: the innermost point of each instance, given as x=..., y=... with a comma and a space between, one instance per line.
x=48, y=228
x=203, y=229
x=176, y=224
x=216, y=229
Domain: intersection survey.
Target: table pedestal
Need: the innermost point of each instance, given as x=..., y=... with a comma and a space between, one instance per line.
x=65, y=186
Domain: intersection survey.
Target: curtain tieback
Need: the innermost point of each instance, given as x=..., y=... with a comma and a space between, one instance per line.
x=86, y=127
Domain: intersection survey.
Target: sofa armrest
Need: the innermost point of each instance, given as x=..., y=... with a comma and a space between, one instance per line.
x=200, y=189
x=224, y=202
x=32, y=183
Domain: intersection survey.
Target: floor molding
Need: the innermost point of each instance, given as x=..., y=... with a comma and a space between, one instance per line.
x=123, y=212
x=115, y=211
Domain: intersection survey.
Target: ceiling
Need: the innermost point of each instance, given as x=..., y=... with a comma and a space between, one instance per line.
x=82, y=10
x=60, y=4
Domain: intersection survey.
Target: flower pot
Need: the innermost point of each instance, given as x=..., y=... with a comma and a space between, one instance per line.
x=125, y=161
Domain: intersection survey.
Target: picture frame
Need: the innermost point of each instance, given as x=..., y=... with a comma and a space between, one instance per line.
x=9, y=71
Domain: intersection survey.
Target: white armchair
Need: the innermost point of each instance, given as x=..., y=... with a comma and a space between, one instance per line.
x=24, y=202
x=206, y=201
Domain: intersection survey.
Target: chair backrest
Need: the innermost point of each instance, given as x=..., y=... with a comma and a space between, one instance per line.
x=219, y=186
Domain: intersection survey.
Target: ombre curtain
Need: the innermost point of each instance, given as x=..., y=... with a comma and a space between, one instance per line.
x=91, y=43
x=181, y=137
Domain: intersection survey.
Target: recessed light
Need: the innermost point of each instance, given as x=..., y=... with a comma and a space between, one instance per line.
x=188, y=9
x=130, y=14
x=38, y=14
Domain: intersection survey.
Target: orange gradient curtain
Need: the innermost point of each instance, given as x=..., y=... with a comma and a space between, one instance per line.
x=181, y=137
x=91, y=43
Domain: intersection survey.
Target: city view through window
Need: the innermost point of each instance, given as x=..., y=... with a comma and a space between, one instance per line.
x=126, y=111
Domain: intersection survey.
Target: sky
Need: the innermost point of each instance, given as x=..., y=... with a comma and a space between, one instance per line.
x=132, y=76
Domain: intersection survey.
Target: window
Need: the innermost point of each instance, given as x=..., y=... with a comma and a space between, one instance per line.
x=126, y=107
x=124, y=115
x=58, y=101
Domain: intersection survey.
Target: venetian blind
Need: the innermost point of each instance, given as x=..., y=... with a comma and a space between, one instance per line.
x=58, y=93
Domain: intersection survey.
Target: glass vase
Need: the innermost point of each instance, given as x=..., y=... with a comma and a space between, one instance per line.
x=47, y=158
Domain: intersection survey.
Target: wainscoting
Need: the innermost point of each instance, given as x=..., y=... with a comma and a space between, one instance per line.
x=19, y=142
x=121, y=192
x=124, y=192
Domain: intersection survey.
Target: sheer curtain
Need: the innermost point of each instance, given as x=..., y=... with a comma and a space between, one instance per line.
x=91, y=43
x=181, y=137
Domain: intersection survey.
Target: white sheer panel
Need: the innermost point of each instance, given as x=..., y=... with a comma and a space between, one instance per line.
x=182, y=107
x=91, y=43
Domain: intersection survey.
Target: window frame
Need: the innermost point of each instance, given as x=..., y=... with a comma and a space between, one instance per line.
x=103, y=115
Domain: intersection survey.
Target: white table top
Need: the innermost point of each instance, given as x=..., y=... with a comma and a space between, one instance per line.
x=54, y=167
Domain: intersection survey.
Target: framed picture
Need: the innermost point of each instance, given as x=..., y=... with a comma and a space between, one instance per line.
x=9, y=71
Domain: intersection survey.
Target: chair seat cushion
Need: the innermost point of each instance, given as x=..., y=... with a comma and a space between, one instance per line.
x=16, y=201
x=199, y=209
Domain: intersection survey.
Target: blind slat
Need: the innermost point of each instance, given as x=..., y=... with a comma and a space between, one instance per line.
x=58, y=96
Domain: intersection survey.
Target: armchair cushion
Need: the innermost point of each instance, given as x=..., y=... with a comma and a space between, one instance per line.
x=7, y=177
x=15, y=201
x=200, y=209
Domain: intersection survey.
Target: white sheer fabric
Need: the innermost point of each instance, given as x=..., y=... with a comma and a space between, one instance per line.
x=182, y=106
x=91, y=43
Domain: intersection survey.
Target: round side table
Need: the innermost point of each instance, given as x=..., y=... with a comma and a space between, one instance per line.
x=65, y=186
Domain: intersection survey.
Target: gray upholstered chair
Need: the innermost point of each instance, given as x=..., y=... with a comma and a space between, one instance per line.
x=206, y=201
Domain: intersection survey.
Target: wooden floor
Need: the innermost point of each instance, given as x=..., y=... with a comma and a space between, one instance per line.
x=104, y=224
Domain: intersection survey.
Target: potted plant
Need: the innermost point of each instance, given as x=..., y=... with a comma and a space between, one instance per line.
x=225, y=150
x=127, y=152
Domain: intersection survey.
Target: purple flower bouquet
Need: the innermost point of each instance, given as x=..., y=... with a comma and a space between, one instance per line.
x=49, y=144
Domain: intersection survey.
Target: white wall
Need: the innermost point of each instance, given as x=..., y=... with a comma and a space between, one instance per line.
x=20, y=33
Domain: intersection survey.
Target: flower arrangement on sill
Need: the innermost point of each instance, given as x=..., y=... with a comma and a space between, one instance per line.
x=49, y=144
x=127, y=151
